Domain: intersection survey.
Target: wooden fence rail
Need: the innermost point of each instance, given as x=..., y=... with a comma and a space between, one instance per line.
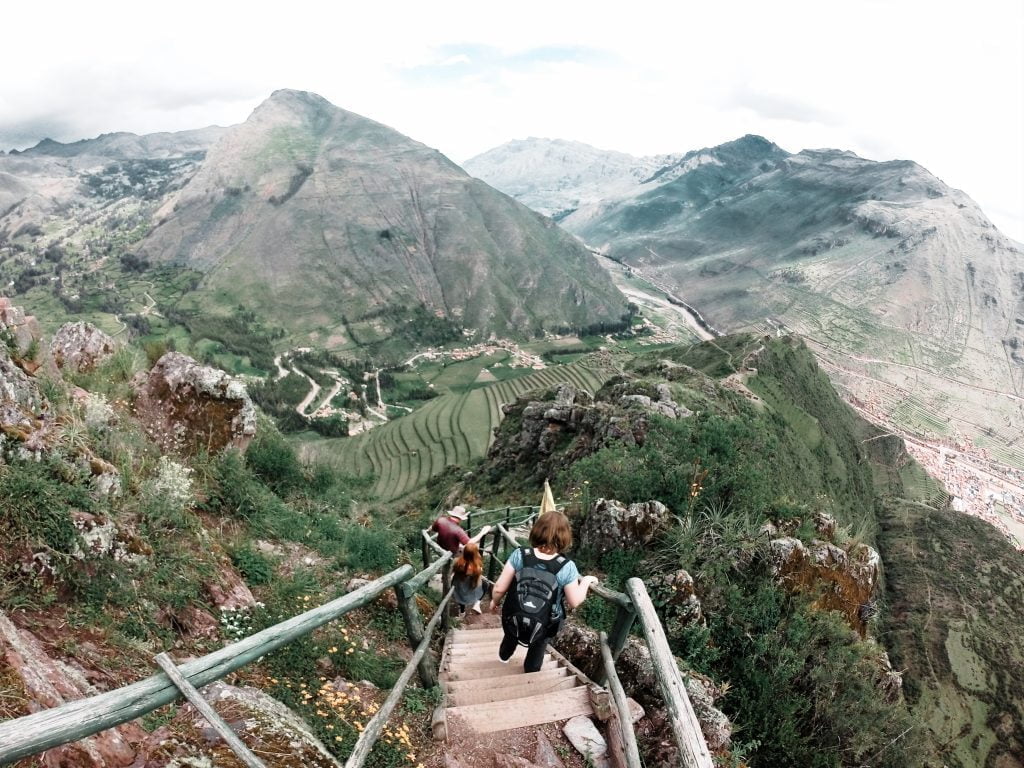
x=685, y=726
x=78, y=719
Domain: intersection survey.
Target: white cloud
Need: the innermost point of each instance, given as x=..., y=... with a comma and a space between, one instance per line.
x=942, y=84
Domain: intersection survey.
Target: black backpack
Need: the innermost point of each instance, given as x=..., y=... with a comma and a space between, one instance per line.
x=538, y=596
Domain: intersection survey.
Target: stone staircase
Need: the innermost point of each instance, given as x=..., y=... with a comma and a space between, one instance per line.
x=489, y=696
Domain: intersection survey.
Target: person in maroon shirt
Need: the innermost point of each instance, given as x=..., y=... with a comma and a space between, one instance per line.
x=450, y=534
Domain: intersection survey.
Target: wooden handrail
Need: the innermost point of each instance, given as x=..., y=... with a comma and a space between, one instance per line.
x=632, y=753
x=420, y=580
x=76, y=720
x=373, y=728
x=512, y=540
x=685, y=726
x=616, y=598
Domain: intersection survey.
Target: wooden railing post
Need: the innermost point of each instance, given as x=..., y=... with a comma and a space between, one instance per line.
x=371, y=732
x=446, y=584
x=624, y=618
x=621, y=720
x=692, y=748
x=492, y=568
x=414, y=631
x=469, y=522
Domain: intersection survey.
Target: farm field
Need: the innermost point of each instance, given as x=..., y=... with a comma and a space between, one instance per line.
x=455, y=428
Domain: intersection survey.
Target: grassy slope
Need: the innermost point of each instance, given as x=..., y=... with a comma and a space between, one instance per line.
x=955, y=589
x=452, y=429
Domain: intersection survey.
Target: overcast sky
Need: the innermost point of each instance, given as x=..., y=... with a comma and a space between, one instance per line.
x=941, y=83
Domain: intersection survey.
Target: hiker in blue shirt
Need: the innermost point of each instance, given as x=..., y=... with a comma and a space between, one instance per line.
x=544, y=582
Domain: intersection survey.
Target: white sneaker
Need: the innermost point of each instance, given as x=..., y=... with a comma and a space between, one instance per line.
x=477, y=608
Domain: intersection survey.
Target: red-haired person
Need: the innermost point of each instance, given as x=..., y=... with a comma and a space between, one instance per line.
x=468, y=577
x=540, y=581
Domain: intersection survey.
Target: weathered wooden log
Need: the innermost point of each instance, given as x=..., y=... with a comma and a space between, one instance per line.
x=421, y=579
x=621, y=720
x=208, y=712
x=512, y=540
x=685, y=726
x=617, y=598
x=373, y=728
x=414, y=630
x=77, y=719
x=446, y=585
x=492, y=567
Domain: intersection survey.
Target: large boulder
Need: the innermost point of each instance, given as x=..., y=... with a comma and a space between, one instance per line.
x=81, y=347
x=50, y=682
x=675, y=595
x=187, y=407
x=613, y=525
x=263, y=723
x=579, y=644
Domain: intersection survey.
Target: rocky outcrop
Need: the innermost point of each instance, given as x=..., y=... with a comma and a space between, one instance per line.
x=612, y=525
x=228, y=590
x=539, y=436
x=844, y=580
x=81, y=347
x=21, y=330
x=675, y=596
x=50, y=682
x=579, y=644
x=23, y=422
x=661, y=403
x=188, y=407
x=264, y=724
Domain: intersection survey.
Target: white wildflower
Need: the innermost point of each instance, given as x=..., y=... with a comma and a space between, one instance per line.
x=98, y=412
x=173, y=482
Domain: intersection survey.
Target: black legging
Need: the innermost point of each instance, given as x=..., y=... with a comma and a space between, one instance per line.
x=534, y=652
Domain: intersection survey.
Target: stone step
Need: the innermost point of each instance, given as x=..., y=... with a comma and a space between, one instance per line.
x=530, y=710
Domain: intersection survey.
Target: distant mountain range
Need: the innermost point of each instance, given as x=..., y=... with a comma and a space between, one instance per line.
x=907, y=291
x=555, y=176
x=313, y=213
x=326, y=223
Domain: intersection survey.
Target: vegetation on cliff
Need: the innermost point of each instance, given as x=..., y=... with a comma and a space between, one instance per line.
x=769, y=442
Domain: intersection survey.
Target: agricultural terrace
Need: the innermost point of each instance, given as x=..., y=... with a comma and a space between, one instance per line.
x=455, y=428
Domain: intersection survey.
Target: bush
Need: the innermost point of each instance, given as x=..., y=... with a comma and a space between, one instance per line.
x=36, y=499
x=256, y=567
x=274, y=461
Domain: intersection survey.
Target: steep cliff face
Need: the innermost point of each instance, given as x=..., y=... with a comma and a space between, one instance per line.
x=782, y=503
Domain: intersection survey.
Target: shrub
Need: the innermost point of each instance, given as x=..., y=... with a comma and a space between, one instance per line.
x=256, y=567
x=36, y=500
x=273, y=461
